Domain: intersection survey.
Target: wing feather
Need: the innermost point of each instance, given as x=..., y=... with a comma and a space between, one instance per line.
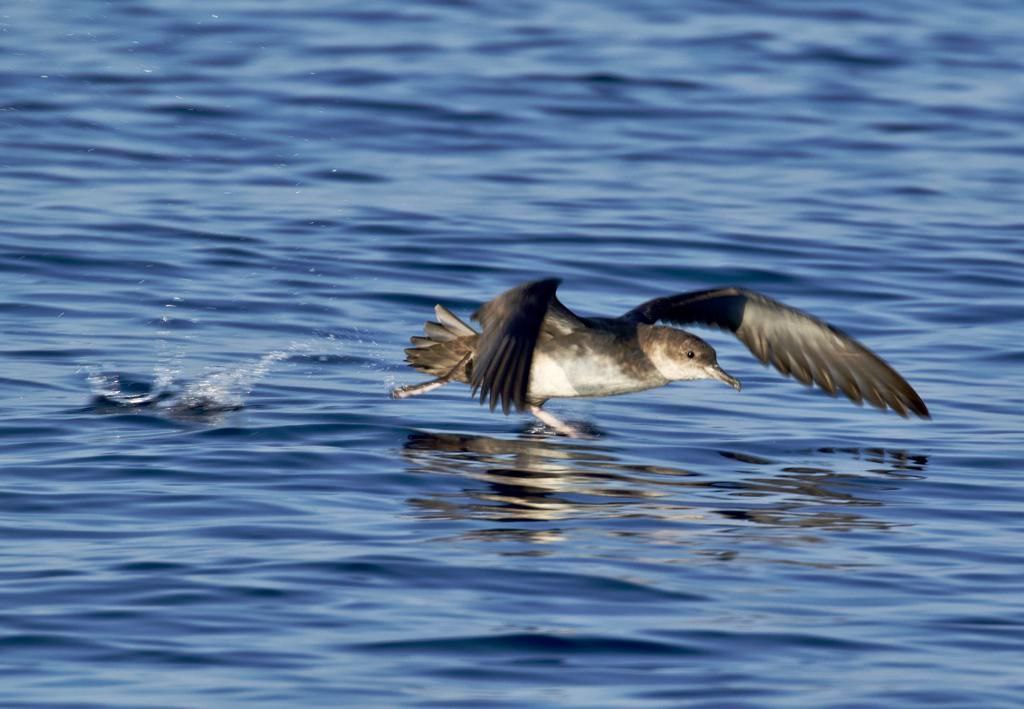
x=511, y=325
x=794, y=342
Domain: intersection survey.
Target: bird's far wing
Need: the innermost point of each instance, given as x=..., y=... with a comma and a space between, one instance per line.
x=794, y=342
x=511, y=325
x=560, y=320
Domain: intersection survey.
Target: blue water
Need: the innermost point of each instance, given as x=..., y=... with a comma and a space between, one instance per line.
x=250, y=207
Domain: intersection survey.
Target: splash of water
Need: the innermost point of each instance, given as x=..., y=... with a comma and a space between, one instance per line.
x=380, y=358
x=225, y=389
x=228, y=388
x=114, y=388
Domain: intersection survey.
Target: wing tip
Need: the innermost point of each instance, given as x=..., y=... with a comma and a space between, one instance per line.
x=918, y=407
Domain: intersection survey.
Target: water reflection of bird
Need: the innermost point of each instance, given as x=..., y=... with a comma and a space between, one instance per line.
x=526, y=478
x=533, y=348
x=536, y=479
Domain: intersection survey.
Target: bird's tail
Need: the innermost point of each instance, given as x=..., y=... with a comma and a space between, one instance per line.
x=445, y=350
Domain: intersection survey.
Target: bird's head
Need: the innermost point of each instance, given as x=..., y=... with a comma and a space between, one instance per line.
x=680, y=356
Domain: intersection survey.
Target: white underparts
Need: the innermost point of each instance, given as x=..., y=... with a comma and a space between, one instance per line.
x=582, y=374
x=548, y=379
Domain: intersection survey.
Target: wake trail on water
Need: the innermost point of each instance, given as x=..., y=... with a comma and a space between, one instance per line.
x=224, y=389
x=172, y=390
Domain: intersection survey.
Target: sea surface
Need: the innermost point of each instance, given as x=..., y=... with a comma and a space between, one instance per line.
x=221, y=222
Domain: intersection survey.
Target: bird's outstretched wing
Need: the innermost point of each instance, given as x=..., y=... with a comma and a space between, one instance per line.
x=795, y=342
x=511, y=325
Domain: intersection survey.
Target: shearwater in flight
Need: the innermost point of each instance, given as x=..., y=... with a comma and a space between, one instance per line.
x=532, y=349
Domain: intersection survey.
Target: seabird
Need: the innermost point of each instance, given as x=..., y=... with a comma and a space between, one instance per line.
x=533, y=348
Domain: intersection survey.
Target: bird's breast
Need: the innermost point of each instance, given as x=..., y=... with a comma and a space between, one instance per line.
x=577, y=370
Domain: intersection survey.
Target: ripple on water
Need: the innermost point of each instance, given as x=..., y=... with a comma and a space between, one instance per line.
x=220, y=229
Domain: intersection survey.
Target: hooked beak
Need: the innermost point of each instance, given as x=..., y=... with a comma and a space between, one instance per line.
x=716, y=372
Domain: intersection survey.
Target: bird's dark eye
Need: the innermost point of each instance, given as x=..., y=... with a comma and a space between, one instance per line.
x=690, y=354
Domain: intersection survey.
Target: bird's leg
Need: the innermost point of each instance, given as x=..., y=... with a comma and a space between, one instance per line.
x=417, y=389
x=549, y=419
